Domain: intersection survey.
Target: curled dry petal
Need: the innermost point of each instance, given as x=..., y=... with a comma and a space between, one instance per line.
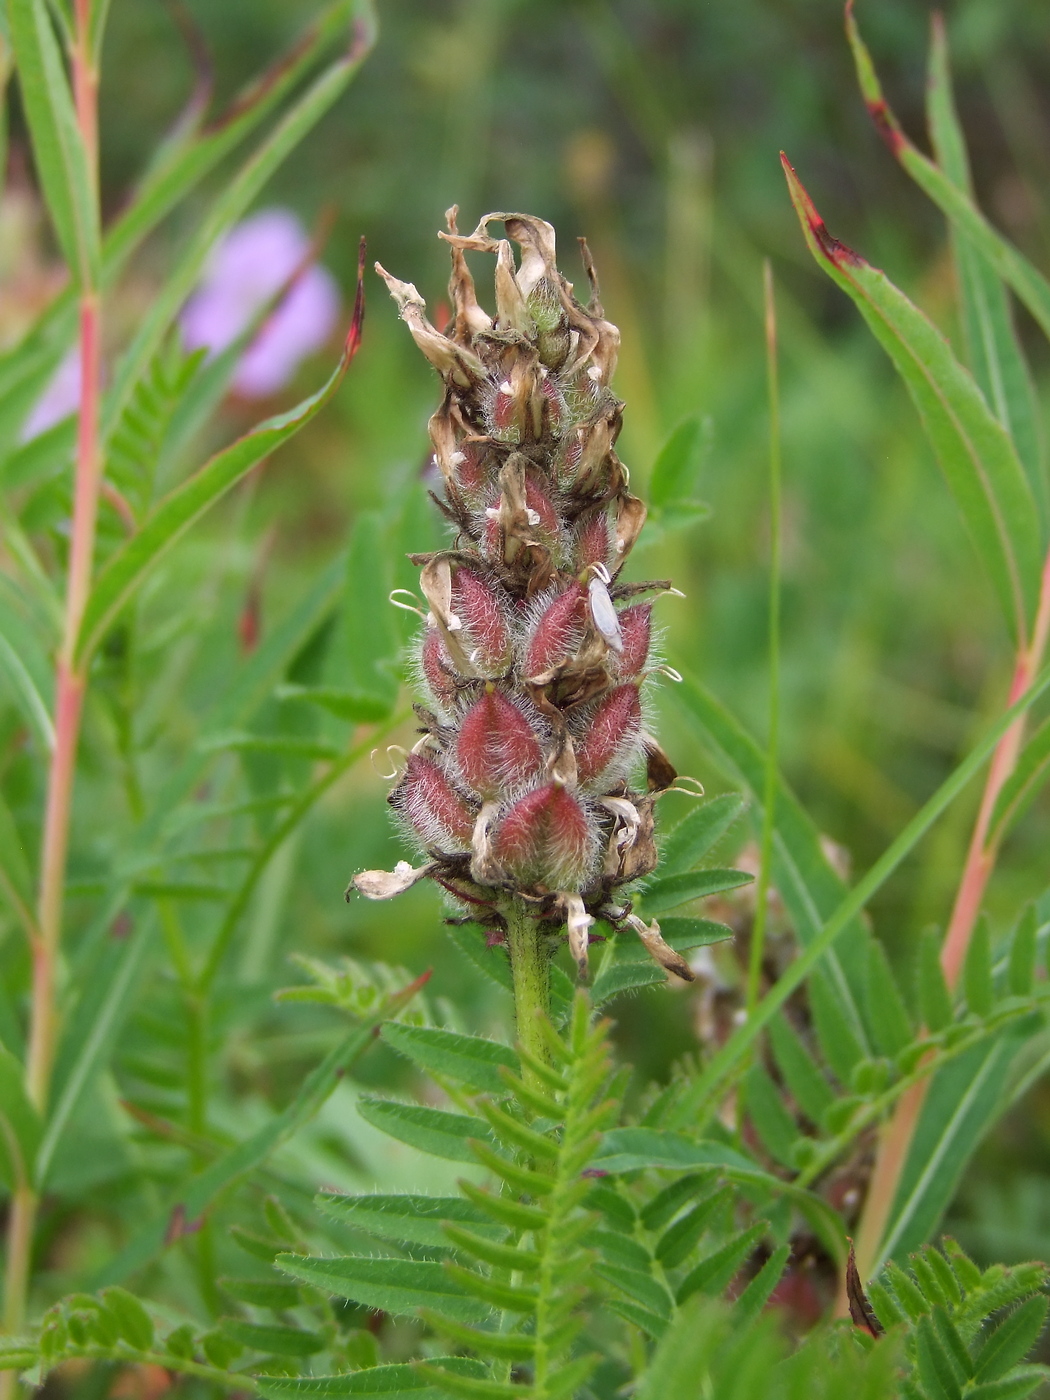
x=451, y=360
x=385, y=884
x=577, y=923
x=660, y=951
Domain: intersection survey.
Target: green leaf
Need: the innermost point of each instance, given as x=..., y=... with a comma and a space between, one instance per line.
x=1014, y=1387
x=431, y=1130
x=670, y=1200
x=776, y=1129
x=125, y=571
x=842, y=1048
x=641, y=1287
x=492, y=962
x=934, y=1365
x=133, y=1321
x=25, y=665
x=268, y=1337
x=759, y=1291
x=470, y=1059
x=58, y=150
x=1012, y=1340
x=262, y=1293
x=694, y=836
x=15, y=879
x=392, y=1381
x=196, y=1195
x=678, y=1240
x=409, y=1219
x=714, y=1273
x=977, y=970
x=994, y=351
x=677, y=466
x=976, y=454
x=620, y=977
x=672, y=890
x=680, y=1366
x=887, y=1016
x=19, y=1125
x=807, y=1083
x=366, y=646
x=934, y=998
x=398, y=1286
x=1024, y=783
x=684, y=933
x=1024, y=950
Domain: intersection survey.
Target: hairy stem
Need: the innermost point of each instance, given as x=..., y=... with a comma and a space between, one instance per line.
x=69, y=697
x=895, y=1141
x=530, y=967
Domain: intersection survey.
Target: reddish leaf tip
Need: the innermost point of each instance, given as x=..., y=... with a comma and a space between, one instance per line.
x=357, y=320
x=886, y=125
x=836, y=252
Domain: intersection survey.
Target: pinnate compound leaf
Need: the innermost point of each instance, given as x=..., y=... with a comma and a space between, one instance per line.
x=19, y=1125
x=668, y=892
x=975, y=452
x=391, y=1381
x=59, y=154
x=469, y=1059
x=714, y=1273
x=431, y=1130
x=397, y=1286
x=125, y=571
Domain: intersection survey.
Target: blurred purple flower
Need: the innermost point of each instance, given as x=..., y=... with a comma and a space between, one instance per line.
x=245, y=271
x=60, y=398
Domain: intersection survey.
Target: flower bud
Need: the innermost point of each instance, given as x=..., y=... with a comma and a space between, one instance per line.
x=557, y=632
x=428, y=801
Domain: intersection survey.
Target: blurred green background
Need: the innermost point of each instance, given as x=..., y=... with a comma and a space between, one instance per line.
x=653, y=127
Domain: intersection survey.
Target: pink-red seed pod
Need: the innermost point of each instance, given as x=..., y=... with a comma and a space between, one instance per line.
x=496, y=748
x=436, y=665
x=594, y=542
x=433, y=806
x=636, y=627
x=558, y=632
x=545, y=838
x=537, y=501
x=612, y=729
x=479, y=612
x=470, y=470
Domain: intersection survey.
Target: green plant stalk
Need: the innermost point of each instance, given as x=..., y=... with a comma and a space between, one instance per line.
x=981, y=857
x=530, y=965
x=69, y=696
x=758, y=931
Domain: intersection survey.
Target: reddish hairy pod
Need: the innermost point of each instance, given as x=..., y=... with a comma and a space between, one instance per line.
x=610, y=734
x=558, y=631
x=636, y=628
x=496, y=748
x=545, y=838
x=487, y=638
x=427, y=799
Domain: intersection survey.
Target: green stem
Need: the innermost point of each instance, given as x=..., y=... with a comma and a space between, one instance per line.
x=530, y=965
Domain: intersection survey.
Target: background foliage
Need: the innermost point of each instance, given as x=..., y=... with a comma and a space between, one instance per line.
x=219, y=703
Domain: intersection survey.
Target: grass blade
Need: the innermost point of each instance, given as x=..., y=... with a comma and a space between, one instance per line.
x=975, y=452
x=58, y=150
x=994, y=351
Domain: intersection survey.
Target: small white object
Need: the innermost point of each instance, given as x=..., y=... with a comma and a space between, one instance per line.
x=532, y=516
x=594, y=373
x=453, y=623
x=604, y=614
x=505, y=388
x=457, y=458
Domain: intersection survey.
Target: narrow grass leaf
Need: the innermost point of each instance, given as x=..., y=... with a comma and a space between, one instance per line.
x=994, y=350
x=469, y=1059
x=975, y=452
x=58, y=151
